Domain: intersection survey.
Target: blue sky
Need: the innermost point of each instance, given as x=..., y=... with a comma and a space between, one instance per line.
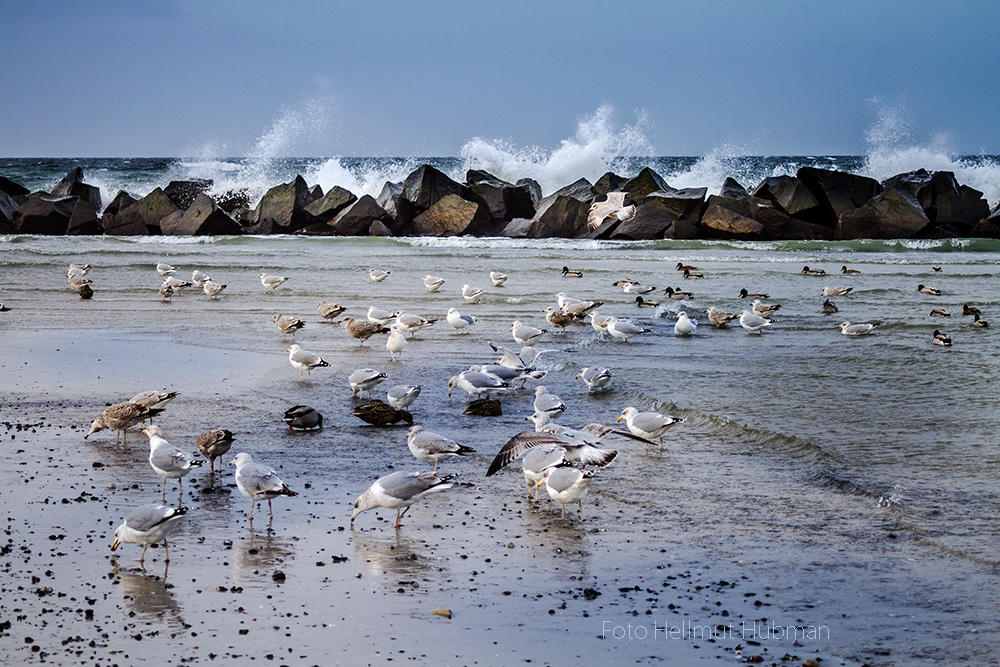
x=224, y=78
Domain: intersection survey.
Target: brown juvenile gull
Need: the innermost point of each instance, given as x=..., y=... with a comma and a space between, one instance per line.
x=398, y=491
x=213, y=444
x=558, y=318
x=287, y=324
x=148, y=524
x=258, y=482
x=614, y=205
x=719, y=318
x=328, y=311
x=156, y=401
x=361, y=329
x=119, y=416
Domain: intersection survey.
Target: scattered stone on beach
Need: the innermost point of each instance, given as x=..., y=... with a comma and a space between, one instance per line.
x=446, y=613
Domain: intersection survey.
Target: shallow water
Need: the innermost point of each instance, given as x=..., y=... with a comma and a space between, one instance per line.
x=851, y=481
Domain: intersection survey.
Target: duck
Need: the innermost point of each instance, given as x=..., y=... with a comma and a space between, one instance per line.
x=380, y=413
x=303, y=418
x=693, y=276
x=936, y=269
x=978, y=323
x=744, y=294
x=678, y=294
x=925, y=289
x=849, y=272
x=571, y=273
x=829, y=307
x=645, y=303
x=806, y=271
x=940, y=312
x=483, y=407
x=970, y=310
x=942, y=339
x=685, y=267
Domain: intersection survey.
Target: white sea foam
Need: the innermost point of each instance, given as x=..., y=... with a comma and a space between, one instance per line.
x=598, y=146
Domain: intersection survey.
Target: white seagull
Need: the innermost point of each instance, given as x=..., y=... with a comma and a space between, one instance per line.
x=398, y=491
x=647, y=425
x=257, y=482
x=460, y=321
x=304, y=361
x=148, y=524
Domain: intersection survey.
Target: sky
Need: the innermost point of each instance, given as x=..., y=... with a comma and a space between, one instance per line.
x=165, y=78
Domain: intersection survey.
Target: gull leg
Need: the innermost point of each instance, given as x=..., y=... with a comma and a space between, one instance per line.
x=564, y=510
x=164, y=489
x=142, y=556
x=269, y=508
x=180, y=492
x=166, y=552
x=435, y=467
x=582, y=518
x=252, y=505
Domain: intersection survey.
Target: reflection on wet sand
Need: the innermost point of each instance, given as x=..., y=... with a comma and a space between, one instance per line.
x=396, y=555
x=258, y=554
x=149, y=596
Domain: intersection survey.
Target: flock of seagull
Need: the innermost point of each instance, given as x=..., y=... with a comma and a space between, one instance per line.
x=560, y=458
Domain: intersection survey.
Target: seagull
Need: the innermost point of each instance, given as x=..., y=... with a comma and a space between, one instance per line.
x=363, y=379
x=764, y=309
x=536, y=463
x=862, y=329
x=176, y=284
x=304, y=361
x=719, y=318
x=829, y=307
x=79, y=282
x=623, y=329
x=271, y=282
x=594, y=377
x=684, y=326
x=213, y=444
x=970, y=310
x=497, y=278
x=612, y=206
x=411, y=324
x=212, y=289
x=579, y=445
x=164, y=269
x=199, y=277
x=328, y=311
x=398, y=491
x=303, y=418
x=119, y=416
x=508, y=374
x=806, y=271
x=167, y=461
x=396, y=342
x=288, y=325
x=155, y=401
x=571, y=273
x=850, y=272
x=379, y=413
x=78, y=269
x=637, y=289
x=548, y=404
x=166, y=292
x=744, y=294
x=524, y=334
x=402, y=395
x=378, y=275
x=576, y=307
x=647, y=425
x=978, y=323
x=431, y=447
x=148, y=524
x=557, y=318
x=476, y=383
x=361, y=329
x=752, y=322
x=380, y=316
x=257, y=482
x=836, y=291
x=599, y=322
x=933, y=291
x=432, y=283
x=677, y=294
x=460, y=321
x=471, y=294
x=566, y=485
x=942, y=339
x=692, y=276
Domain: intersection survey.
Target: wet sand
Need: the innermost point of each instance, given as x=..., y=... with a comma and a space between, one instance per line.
x=522, y=585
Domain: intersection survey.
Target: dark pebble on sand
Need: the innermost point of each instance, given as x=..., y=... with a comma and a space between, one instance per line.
x=278, y=576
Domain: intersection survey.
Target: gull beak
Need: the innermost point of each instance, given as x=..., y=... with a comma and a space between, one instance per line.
x=618, y=420
x=114, y=545
x=233, y=462
x=144, y=432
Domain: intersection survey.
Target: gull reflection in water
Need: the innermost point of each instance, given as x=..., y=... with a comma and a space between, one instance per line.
x=395, y=554
x=149, y=596
x=259, y=554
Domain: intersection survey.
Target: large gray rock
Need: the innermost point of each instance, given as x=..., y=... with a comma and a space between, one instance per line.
x=559, y=216
x=142, y=217
x=450, y=216
x=789, y=194
x=609, y=182
x=399, y=211
x=202, y=218
x=659, y=211
x=723, y=223
x=121, y=202
x=534, y=189
x=44, y=214
x=282, y=210
x=357, y=218
x=918, y=183
x=426, y=185
x=517, y=228
x=987, y=229
x=377, y=228
x=837, y=192
x=233, y=200
x=503, y=200
x=799, y=230
x=13, y=189
x=329, y=205
x=581, y=190
x=84, y=220
x=7, y=208
x=731, y=189
x=894, y=214
x=72, y=185
x=645, y=183
x=956, y=205
x=183, y=193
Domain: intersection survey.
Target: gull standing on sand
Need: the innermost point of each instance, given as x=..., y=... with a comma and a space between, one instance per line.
x=647, y=425
x=271, y=282
x=169, y=462
x=460, y=321
x=303, y=418
x=524, y=334
x=402, y=395
x=120, y=417
x=212, y=289
x=363, y=379
x=623, y=329
x=148, y=524
x=398, y=491
x=612, y=206
x=361, y=329
x=396, y=342
x=684, y=326
x=258, y=482
x=548, y=404
x=164, y=269
x=377, y=275
x=476, y=383
x=432, y=447
x=567, y=484
x=536, y=463
x=753, y=323
x=288, y=325
x=471, y=294
x=497, y=278
x=432, y=283
x=594, y=378
x=303, y=360
x=213, y=444
x=849, y=329
x=328, y=311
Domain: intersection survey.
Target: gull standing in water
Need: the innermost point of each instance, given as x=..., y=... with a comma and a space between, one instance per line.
x=361, y=329
x=476, y=383
x=411, y=324
x=271, y=282
x=567, y=484
x=363, y=379
x=398, y=491
x=156, y=401
x=212, y=289
x=432, y=447
x=328, y=311
x=402, y=395
x=288, y=325
x=524, y=334
x=199, y=278
x=148, y=524
x=164, y=269
x=594, y=378
x=753, y=323
x=460, y=321
x=536, y=463
x=378, y=275
x=548, y=404
x=719, y=318
x=497, y=278
x=304, y=361
x=257, y=482
x=380, y=316
x=213, y=444
x=647, y=425
x=396, y=342
x=120, y=417
x=764, y=309
x=623, y=329
x=169, y=462
x=471, y=294
x=849, y=329
x=684, y=326
x=432, y=283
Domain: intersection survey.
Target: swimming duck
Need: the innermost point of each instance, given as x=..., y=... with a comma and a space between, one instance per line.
x=686, y=267
x=568, y=273
x=940, y=312
x=680, y=295
x=643, y=303
x=941, y=339
x=933, y=291
x=850, y=272
x=829, y=307
x=744, y=294
x=806, y=271
x=978, y=323
x=693, y=276
x=970, y=310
